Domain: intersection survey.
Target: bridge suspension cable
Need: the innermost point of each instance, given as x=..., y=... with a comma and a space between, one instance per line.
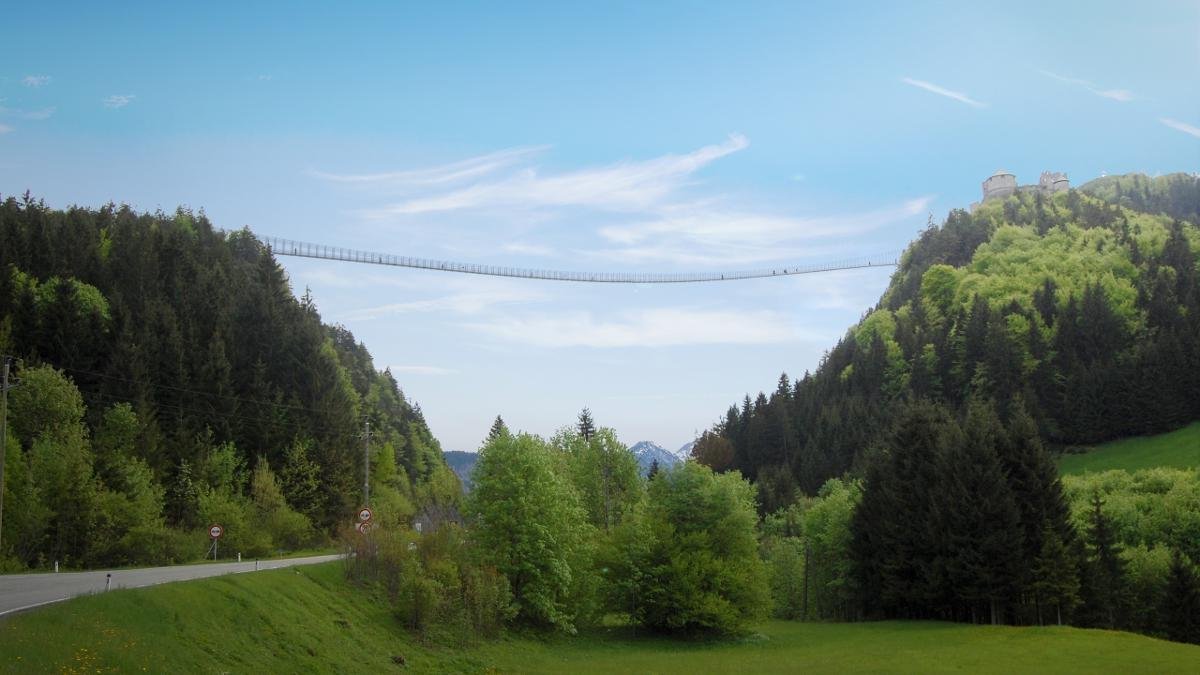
x=300, y=249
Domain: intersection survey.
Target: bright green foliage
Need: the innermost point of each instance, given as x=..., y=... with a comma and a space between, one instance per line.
x=46, y=402
x=288, y=529
x=528, y=523
x=25, y=510
x=604, y=472
x=621, y=559
x=784, y=558
x=434, y=582
x=1152, y=507
x=832, y=590
x=702, y=572
x=1146, y=573
x=807, y=548
x=1083, y=312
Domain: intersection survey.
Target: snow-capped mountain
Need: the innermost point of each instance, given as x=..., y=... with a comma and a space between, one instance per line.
x=647, y=452
x=684, y=453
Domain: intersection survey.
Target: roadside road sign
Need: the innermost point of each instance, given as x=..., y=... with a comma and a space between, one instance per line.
x=215, y=531
x=364, y=527
x=365, y=514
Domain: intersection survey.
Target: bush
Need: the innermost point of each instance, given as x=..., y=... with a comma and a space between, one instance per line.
x=436, y=585
x=700, y=571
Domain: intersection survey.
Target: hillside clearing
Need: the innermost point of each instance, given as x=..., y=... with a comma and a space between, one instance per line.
x=1178, y=449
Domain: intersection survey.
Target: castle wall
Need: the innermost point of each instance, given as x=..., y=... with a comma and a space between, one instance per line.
x=1000, y=185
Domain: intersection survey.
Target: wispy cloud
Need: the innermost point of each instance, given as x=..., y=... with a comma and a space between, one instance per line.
x=942, y=91
x=667, y=327
x=118, y=100
x=626, y=186
x=462, y=303
x=528, y=249
x=1181, y=126
x=1121, y=95
x=4, y=129
x=39, y=114
x=707, y=234
x=422, y=370
x=473, y=167
x=35, y=80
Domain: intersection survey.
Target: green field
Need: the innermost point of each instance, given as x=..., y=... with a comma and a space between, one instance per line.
x=309, y=620
x=1179, y=449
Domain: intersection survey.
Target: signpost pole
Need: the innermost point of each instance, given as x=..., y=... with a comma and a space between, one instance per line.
x=3, y=440
x=367, y=464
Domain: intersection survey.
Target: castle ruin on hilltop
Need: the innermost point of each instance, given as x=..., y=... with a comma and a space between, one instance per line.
x=1003, y=184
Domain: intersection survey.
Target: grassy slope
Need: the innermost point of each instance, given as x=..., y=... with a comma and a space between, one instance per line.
x=1179, y=449
x=308, y=620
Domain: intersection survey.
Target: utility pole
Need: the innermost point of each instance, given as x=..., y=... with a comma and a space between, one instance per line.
x=4, y=387
x=367, y=464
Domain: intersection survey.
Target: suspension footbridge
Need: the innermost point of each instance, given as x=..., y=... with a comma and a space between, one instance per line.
x=301, y=249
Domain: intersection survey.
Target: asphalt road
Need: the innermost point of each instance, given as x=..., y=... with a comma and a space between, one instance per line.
x=26, y=591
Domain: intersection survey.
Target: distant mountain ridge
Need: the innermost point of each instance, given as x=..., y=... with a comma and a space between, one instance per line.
x=461, y=463
x=648, y=452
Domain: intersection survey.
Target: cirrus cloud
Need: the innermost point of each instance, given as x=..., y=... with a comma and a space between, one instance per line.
x=942, y=91
x=118, y=100
x=665, y=327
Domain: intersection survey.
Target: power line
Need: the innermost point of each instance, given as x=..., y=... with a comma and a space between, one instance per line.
x=188, y=391
x=300, y=249
x=206, y=415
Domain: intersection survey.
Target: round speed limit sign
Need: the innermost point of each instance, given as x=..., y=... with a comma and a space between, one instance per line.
x=365, y=514
x=364, y=527
x=215, y=531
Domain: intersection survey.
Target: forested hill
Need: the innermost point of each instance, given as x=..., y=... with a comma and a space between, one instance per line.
x=189, y=342
x=1081, y=306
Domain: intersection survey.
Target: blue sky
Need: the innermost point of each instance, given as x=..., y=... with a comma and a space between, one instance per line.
x=609, y=136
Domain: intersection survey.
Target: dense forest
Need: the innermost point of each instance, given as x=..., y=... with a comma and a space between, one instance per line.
x=1078, y=307
x=169, y=378
x=912, y=475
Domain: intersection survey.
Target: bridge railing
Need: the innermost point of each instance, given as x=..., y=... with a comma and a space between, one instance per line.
x=290, y=247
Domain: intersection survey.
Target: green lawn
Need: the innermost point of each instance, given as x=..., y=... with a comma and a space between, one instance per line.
x=1179, y=449
x=309, y=620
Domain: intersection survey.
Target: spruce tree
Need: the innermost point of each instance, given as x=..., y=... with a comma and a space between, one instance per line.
x=979, y=521
x=1104, y=591
x=586, y=426
x=499, y=428
x=1181, y=602
x=1037, y=489
x=1055, y=581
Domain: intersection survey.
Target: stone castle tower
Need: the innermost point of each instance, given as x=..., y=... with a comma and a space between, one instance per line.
x=1000, y=184
x=1003, y=184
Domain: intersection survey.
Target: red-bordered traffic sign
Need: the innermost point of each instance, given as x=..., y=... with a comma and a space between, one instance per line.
x=365, y=514
x=215, y=531
x=364, y=527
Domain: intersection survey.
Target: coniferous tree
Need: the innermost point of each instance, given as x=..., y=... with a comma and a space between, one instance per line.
x=1104, y=581
x=1181, y=602
x=499, y=428
x=653, y=471
x=585, y=425
x=1055, y=579
x=979, y=523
